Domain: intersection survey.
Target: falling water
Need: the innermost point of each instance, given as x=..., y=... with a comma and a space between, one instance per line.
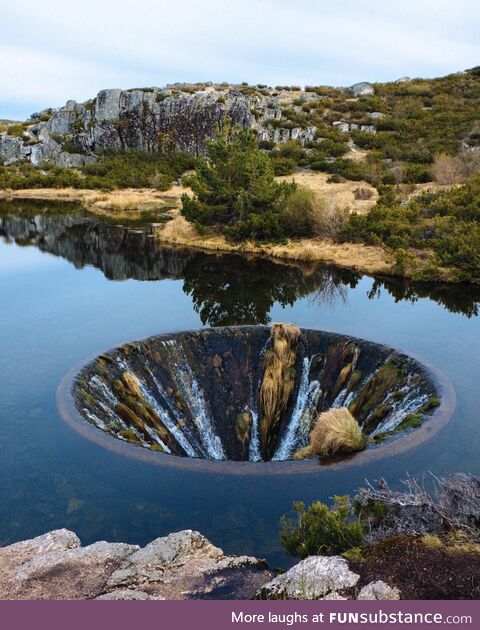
x=193, y=397
x=300, y=423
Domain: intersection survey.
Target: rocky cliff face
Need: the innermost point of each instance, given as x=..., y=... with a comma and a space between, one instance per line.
x=148, y=119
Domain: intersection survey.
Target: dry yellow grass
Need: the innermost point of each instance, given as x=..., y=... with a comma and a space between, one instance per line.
x=128, y=201
x=336, y=431
x=278, y=378
x=363, y=258
x=131, y=382
x=339, y=195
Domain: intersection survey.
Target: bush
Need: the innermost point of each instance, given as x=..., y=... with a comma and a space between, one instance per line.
x=444, y=225
x=320, y=530
x=234, y=188
x=448, y=170
x=336, y=431
x=298, y=211
x=328, y=220
x=123, y=170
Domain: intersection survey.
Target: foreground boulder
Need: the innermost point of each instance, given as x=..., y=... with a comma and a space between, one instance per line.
x=324, y=577
x=316, y=577
x=183, y=565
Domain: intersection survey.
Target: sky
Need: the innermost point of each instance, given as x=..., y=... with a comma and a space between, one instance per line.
x=57, y=50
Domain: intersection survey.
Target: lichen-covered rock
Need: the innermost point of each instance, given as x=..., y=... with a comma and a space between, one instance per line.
x=379, y=590
x=10, y=149
x=316, y=577
x=149, y=119
x=362, y=89
x=74, y=574
x=183, y=565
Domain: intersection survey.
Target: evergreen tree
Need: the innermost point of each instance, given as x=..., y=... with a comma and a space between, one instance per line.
x=234, y=187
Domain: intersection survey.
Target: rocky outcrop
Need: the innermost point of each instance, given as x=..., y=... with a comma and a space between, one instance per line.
x=148, y=119
x=361, y=89
x=183, y=565
x=327, y=578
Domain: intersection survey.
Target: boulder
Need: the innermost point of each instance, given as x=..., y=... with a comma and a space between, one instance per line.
x=379, y=590
x=183, y=565
x=361, y=89
x=316, y=577
x=11, y=149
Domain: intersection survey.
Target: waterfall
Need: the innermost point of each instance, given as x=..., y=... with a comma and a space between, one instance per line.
x=300, y=422
x=254, y=454
x=343, y=397
x=107, y=393
x=194, y=399
x=254, y=450
x=166, y=417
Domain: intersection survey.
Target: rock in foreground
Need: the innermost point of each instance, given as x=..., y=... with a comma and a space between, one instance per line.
x=183, y=565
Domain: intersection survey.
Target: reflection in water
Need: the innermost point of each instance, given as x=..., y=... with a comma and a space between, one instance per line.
x=456, y=298
x=228, y=290
x=225, y=289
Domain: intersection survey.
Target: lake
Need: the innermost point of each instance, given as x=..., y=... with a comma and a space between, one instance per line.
x=72, y=286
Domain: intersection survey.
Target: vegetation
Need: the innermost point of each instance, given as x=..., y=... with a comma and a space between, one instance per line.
x=320, y=530
x=235, y=190
x=123, y=170
x=336, y=431
x=278, y=381
x=435, y=235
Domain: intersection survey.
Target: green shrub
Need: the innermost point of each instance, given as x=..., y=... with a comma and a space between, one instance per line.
x=15, y=130
x=320, y=530
x=445, y=224
x=234, y=188
x=123, y=170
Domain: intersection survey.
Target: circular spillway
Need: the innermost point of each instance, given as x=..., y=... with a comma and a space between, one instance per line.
x=249, y=396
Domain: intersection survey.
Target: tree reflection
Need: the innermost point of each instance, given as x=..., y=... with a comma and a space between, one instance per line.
x=225, y=289
x=232, y=289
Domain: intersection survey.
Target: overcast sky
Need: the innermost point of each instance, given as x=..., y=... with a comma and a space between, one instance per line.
x=55, y=50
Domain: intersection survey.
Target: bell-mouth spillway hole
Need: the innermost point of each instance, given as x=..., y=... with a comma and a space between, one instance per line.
x=246, y=398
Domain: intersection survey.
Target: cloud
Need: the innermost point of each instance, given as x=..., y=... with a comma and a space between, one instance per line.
x=72, y=51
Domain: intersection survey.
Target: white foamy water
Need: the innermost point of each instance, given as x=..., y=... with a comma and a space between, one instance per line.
x=192, y=396
x=300, y=422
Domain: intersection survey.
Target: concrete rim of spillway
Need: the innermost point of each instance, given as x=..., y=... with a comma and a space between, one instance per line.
x=395, y=446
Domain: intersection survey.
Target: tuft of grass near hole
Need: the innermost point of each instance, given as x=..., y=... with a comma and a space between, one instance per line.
x=337, y=431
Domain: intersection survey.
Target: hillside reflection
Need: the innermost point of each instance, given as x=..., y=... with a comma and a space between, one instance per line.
x=225, y=289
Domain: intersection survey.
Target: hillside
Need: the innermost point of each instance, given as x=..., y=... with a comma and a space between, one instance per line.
x=402, y=157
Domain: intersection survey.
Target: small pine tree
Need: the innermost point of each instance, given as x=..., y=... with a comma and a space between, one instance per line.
x=234, y=187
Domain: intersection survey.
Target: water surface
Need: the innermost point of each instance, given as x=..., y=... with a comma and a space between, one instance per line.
x=72, y=287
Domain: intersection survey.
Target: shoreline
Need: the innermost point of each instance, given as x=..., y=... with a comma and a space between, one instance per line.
x=132, y=203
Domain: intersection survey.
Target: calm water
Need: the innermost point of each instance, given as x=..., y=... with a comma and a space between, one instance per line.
x=71, y=288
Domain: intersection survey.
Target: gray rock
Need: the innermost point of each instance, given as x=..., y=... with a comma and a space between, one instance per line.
x=10, y=149
x=79, y=573
x=107, y=105
x=186, y=565
x=341, y=125
x=316, y=577
x=126, y=594
x=380, y=591
x=376, y=115
x=361, y=89
x=62, y=121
